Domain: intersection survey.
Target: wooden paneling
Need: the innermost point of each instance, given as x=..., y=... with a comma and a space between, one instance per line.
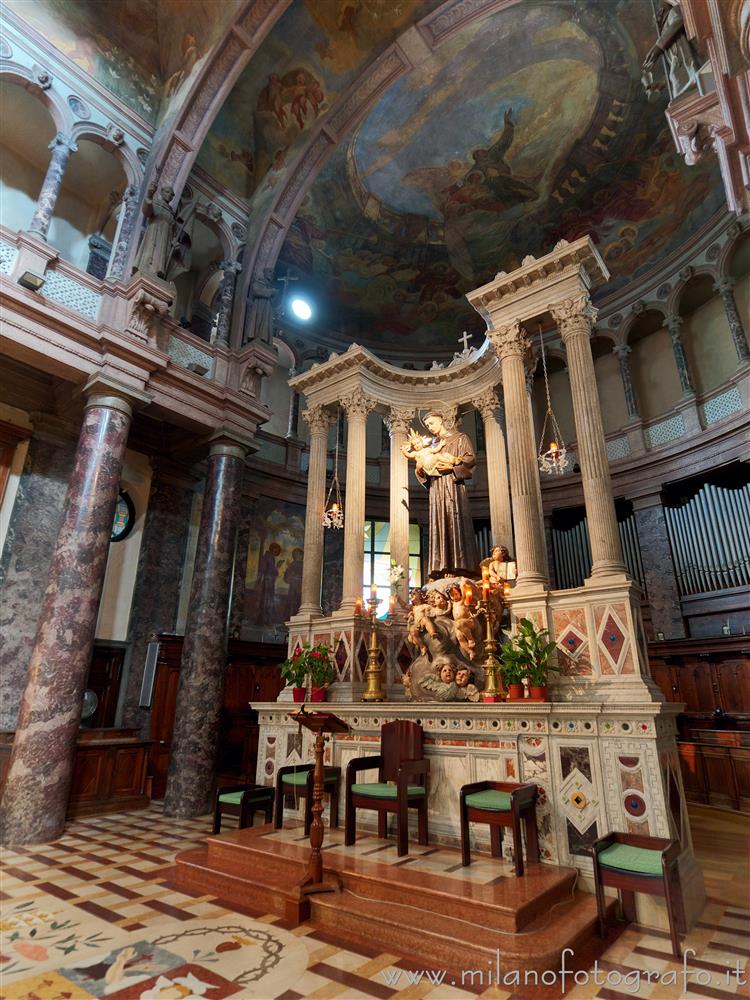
x=104, y=680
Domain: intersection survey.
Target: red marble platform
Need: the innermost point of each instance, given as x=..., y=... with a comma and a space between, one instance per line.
x=425, y=906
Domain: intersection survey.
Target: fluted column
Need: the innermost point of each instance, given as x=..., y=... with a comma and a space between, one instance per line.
x=622, y=353
x=398, y=422
x=319, y=420
x=674, y=325
x=62, y=146
x=124, y=234
x=512, y=346
x=725, y=287
x=574, y=318
x=357, y=406
x=201, y=685
x=231, y=269
x=501, y=523
x=35, y=800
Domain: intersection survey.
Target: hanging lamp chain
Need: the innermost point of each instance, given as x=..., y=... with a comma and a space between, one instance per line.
x=333, y=512
x=553, y=459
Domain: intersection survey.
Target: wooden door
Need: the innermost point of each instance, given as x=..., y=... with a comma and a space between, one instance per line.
x=734, y=685
x=163, y=706
x=104, y=680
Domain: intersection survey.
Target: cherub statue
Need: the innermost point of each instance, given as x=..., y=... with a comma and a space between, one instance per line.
x=467, y=689
x=420, y=617
x=426, y=453
x=442, y=683
x=463, y=619
x=500, y=566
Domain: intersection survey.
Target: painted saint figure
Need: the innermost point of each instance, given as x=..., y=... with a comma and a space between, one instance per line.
x=452, y=546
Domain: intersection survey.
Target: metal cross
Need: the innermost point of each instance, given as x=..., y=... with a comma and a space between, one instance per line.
x=285, y=281
x=465, y=340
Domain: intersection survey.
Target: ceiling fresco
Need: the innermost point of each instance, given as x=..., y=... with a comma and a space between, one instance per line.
x=143, y=51
x=527, y=127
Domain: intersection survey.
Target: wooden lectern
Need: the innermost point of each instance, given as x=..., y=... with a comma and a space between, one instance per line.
x=319, y=723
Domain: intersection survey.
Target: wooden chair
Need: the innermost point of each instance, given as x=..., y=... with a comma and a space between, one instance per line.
x=401, y=784
x=633, y=863
x=298, y=781
x=500, y=804
x=243, y=801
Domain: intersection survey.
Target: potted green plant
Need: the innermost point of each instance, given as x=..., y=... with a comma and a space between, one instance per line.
x=535, y=649
x=294, y=671
x=513, y=667
x=321, y=671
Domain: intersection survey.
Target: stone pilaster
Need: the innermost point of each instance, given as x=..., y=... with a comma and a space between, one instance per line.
x=398, y=422
x=574, y=317
x=319, y=420
x=231, y=269
x=725, y=287
x=36, y=793
x=512, y=346
x=674, y=325
x=201, y=685
x=62, y=146
x=622, y=353
x=357, y=406
x=501, y=523
x=124, y=234
x=658, y=571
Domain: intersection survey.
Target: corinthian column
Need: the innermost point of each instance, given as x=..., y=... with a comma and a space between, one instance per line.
x=357, y=406
x=674, y=325
x=319, y=419
x=41, y=765
x=231, y=269
x=124, y=234
x=725, y=287
x=512, y=346
x=574, y=318
x=501, y=524
x=62, y=146
x=397, y=423
x=622, y=353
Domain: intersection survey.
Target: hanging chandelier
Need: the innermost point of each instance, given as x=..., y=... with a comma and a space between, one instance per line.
x=553, y=459
x=333, y=513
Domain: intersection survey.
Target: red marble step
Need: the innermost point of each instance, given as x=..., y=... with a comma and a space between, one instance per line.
x=437, y=941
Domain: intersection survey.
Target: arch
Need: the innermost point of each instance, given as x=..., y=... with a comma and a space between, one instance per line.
x=285, y=349
x=21, y=76
x=652, y=364
x=91, y=132
x=705, y=332
x=685, y=277
x=623, y=334
x=214, y=220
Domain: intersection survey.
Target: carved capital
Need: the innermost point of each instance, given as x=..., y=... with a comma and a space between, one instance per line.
x=510, y=341
x=724, y=284
x=318, y=419
x=574, y=316
x=621, y=352
x=399, y=419
x=357, y=404
x=62, y=142
x=230, y=266
x=488, y=404
x=674, y=325
x=145, y=313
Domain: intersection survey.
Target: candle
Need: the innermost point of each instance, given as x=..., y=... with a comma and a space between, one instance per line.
x=373, y=592
x=392, y=604
x=485, y=589
x=553, y=446
x=485, y=573
x=467, y=593
x=506, y=589
x=358, y=606
x=335, y=508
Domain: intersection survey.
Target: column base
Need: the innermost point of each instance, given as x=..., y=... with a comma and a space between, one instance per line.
x=607, y=570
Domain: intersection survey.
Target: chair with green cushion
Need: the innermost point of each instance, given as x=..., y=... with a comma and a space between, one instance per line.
x=633, y=863
x=297, y=780
x=500, y=804
x=401, y=785
x=243, y=801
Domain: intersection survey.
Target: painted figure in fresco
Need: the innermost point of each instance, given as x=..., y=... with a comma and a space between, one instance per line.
x=268, y=572
x=293, y=580
x=452, y=547
x=190, y=56
x=157, y=241
x=260, y=320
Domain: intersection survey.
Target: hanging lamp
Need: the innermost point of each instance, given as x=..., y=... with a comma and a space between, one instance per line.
x=554, y=458
x=333, y=513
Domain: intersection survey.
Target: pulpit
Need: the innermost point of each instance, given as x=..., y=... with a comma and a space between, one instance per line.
x=318, y=723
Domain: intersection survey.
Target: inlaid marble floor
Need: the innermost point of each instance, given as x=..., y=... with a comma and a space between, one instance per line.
x=94, y=915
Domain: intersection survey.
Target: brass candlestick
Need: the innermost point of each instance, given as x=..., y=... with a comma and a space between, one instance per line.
x=374, y=689
x=493, y=683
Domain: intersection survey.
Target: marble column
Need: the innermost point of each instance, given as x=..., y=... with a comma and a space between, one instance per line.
x=725, y=287
x=36, y=792
x=501, y=523
x=574, y=318
x=357, y=406
x=201, y=685
x=622, y=353
x=674, y=325
x=129, y=214
x=512, y=346
x=397, y=422
x=231, y=269
x=319, y=420
x=62, y=146
x=292, y=427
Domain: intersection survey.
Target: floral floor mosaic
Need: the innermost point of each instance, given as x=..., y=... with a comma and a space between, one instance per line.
x=94, y=915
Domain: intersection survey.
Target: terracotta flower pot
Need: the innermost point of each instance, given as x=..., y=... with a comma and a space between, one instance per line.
x=298, y=693
x=538, y=693
x=515, y=692
x=317, y=694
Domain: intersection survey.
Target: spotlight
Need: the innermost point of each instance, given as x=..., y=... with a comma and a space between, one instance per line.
x=301, y=309
x=30, y=280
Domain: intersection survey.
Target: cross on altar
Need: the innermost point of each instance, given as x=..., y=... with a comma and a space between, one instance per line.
x=465, y=341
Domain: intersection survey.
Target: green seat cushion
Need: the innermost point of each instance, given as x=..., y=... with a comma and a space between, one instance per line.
x=235, y=798
x=489, y=799
x=300, y=778
x=631, y=859
x=383, y=790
